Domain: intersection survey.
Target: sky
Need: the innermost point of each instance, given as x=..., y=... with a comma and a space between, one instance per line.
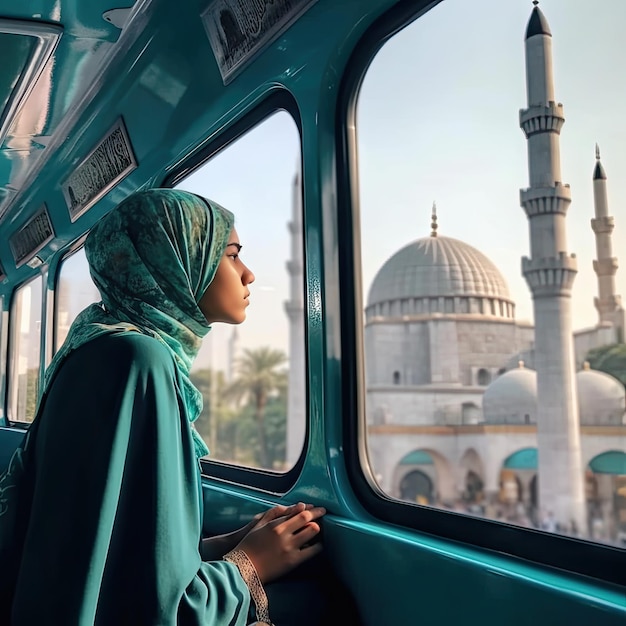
x=437, y=120
x=254, y=178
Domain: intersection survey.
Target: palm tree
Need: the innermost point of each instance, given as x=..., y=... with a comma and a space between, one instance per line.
x=258, y=378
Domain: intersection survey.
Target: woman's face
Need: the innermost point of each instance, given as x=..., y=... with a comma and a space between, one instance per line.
x=226, y=298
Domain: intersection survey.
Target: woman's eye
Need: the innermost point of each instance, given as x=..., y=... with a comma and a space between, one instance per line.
x=234, y=257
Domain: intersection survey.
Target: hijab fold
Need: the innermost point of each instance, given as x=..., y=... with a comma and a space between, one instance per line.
x=152, y=259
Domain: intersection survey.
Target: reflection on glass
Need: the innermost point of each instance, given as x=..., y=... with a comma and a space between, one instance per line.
x=252, y=377
x=491, y=389
x=26, y=338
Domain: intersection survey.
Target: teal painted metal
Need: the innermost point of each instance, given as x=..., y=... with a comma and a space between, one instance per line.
x=405, y=577
x=188, y=105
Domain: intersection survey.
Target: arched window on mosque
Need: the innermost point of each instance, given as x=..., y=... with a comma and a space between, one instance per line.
x=483, y=377
x=396, y=377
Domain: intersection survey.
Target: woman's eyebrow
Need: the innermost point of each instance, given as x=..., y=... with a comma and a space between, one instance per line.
x=237, y=245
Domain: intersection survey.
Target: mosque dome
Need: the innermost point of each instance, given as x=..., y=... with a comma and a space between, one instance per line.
x=512, y=398
x=601, y=398
x=439, y=275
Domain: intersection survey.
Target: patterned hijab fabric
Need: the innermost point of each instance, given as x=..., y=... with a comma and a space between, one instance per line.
x=152, y=259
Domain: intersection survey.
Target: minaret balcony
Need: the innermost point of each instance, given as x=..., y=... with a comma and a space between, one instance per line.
x=608, y=305
x=552, y=276
x=542, y=119
x=603, y=225
x=605, y=267
x=546, y=200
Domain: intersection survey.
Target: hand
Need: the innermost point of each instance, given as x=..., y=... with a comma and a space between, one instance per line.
x=281, y=539
x=214, y=548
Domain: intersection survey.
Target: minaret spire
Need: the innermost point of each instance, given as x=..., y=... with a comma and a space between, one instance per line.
x=433, y=222
x=550, y=273
x=598, y=170
x=608, y=304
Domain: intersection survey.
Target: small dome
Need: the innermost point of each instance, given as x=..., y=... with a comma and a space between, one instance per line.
x=512, y=398
x=437, y=266
x=601, y=398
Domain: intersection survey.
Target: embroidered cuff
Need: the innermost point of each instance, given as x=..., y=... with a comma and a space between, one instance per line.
x=252, y=580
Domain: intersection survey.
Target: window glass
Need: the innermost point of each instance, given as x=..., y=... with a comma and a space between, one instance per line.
x=493, y=322
x=25, y=351
x=74, y=291
x=252, y=376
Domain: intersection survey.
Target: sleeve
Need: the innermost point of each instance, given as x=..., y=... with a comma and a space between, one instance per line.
x=115, y=523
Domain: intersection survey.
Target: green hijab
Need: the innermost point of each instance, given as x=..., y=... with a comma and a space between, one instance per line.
x=152, y=258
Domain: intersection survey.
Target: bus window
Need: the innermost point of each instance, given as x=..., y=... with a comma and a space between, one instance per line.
x=489, y=301
x=252, y=376
x=74, y=291
x=25, y=350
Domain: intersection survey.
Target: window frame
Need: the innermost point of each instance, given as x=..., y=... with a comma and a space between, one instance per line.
x=278, y=99
x=599, y=561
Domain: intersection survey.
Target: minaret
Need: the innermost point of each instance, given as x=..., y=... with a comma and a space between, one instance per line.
x=294, y=307
x=609, y=304
x=550, y=273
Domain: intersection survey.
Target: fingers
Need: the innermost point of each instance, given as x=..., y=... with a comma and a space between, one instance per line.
x=281, y=510
x=298, y=521
x=306, y=534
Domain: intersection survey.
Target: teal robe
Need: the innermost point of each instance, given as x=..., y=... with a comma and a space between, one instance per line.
x=112, y=502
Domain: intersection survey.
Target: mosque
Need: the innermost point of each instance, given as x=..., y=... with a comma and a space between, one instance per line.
x=468, y=408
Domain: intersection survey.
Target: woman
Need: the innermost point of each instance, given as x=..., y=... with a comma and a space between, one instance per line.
x=104, y=513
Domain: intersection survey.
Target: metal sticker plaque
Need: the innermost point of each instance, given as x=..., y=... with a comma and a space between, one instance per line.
x=32, y=237
x=239, y=29
x=106, y=165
